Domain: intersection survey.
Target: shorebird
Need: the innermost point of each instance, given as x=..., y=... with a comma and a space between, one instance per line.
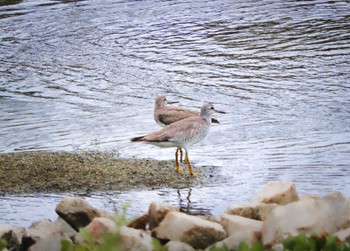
x=165, y=115
x=182, y=134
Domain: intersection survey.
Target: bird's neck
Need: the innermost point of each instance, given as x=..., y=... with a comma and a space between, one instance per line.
x=158, y=106
x=206, y=118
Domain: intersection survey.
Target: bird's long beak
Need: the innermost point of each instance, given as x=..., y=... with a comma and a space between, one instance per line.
x=222, y=112
x=173, y=102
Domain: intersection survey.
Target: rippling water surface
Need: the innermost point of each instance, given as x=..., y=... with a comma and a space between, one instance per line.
x=82, y=75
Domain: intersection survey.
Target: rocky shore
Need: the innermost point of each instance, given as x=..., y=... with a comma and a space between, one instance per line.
x=63, y=171
x=276, y=212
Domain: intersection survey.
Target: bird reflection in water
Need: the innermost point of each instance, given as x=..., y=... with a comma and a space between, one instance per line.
x=186, y=206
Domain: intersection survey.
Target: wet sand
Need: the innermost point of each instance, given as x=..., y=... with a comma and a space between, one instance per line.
x=87, y=171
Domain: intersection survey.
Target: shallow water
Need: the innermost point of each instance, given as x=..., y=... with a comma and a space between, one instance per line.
x=82, y=75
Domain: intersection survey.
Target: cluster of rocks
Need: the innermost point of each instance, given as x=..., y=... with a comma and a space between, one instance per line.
x=276, y=212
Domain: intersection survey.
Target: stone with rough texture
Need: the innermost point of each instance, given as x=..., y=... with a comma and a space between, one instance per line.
x=135, y=240
x=192, y=230
x=157, y=211
x=66, y=228
x=233, y=241
x=5, y=229
x=279, y=192
x=140, y=222
x=255, y=211
x=41, y=230
x=234, y=224
x=311, y=215
x=50, y=243
x=17, y=235
x=97, y=227
x=76, y=212
x=178, y=246
x=130, y=239
x=6, y=233
x=343, y=235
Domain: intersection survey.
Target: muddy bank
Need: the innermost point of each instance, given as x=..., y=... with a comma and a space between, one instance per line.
x=63, y=171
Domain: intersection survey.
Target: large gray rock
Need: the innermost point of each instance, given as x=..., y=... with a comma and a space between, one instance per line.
x=192, y=230
x=77, y=212
x=312, y=215
x=279, y=192
x=157, y=211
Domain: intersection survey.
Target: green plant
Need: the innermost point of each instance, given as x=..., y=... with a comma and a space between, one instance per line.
x=302, y=242
x=3, y=244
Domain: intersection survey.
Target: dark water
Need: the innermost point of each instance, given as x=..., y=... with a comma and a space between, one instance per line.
x=82, y=75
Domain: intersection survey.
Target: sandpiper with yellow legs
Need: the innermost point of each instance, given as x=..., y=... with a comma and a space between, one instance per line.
x=165, y=115
x=182, y=134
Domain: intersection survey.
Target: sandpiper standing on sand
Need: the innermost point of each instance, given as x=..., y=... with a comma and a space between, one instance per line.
x=165, y=115
x=182, y=134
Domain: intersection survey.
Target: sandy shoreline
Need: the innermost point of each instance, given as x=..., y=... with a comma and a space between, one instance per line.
x=42, y=171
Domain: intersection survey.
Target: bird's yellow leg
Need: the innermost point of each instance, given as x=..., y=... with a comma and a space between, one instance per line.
x=181, y=159
x=178, y=169
x=189, y=165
